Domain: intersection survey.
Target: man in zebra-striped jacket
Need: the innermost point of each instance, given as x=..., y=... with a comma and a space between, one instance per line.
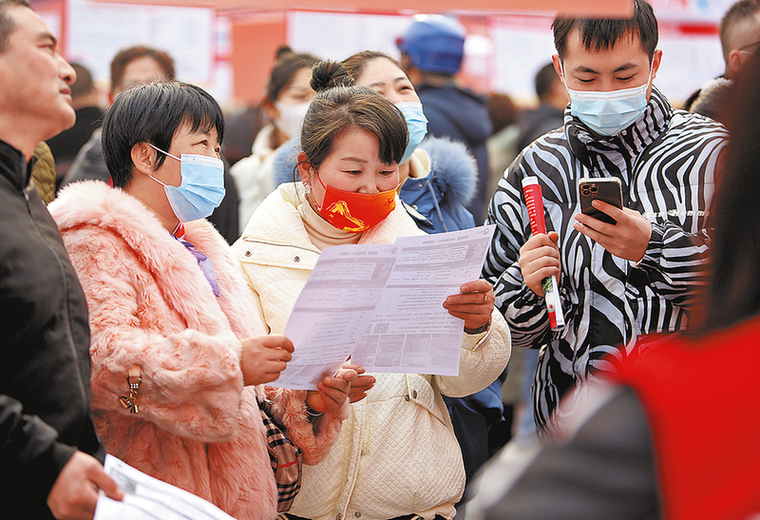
x=617, y=283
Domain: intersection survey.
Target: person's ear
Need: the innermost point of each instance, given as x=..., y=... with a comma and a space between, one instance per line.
x=143, y=158
x=656, y=60
x=271, y=111
x=305, y=169
x=558, y=67
x=734, y=61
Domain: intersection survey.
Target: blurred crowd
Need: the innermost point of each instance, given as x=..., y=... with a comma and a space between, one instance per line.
x=153, y=249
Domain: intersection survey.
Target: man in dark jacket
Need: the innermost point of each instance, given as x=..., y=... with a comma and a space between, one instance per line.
x=48, y=444
x=431, y=53
x=550, y=112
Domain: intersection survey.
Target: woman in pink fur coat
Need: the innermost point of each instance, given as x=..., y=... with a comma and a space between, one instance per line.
x=178, y=353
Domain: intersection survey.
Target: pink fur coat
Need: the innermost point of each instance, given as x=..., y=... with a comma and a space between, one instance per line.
x=150, y=306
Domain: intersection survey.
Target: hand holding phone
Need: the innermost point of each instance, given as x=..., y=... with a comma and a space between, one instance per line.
x=606, y=189
x=628, y=238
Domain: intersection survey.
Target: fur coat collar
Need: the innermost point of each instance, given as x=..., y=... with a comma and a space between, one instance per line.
x=94, y=203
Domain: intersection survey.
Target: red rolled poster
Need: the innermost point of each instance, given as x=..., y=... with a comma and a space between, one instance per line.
x=534, y=200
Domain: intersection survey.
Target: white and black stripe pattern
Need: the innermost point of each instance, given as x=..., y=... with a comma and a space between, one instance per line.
x=666, y=163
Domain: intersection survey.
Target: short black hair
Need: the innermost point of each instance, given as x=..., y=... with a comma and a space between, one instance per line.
x=501, y=111
x=153, y=113
x=7, y=25
x=545, y=78
x=603, y=33
x=83, y=85
x=737, y=13
x=714, y=100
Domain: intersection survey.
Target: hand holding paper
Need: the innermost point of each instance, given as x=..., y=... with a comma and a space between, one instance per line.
x=147, y=498
x=361, y=385
x=382, y=305
x=75, y=492
x=332, y=391
x=474, y=305
x=264, y=357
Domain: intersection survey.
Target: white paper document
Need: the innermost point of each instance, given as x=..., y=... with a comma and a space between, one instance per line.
x=147, y=498
x=382, y=306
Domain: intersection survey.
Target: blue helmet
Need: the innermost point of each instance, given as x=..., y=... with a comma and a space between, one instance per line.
x=434, y=43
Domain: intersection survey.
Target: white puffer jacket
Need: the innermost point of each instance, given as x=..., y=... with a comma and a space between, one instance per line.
x=397, y=453
x=253, y=174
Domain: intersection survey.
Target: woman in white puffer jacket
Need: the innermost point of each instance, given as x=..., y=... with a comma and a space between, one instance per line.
x=397, y=455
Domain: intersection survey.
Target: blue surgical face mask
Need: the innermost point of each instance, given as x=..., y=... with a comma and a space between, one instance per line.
x=202, y=187
x=608, y=113
x=416, y=123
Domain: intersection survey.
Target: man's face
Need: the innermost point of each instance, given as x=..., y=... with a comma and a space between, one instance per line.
x=140, y=71
x=625, y=65
x=35, y=87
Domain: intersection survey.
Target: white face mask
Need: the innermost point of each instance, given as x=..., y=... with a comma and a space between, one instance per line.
x=291, y=118
x=608, y=113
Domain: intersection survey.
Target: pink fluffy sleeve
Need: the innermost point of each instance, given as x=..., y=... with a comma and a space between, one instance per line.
x=191, y=380
x=290, y=407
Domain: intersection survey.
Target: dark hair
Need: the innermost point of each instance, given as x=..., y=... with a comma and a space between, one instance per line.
x=153, y=113
x=545, y=78
x=7, y=24
x=355, y=64
x=283, y=72
x=733, y=293
x=737, y=13
x=340, y=105
x=83, y=85
x=125, y=56
x=603, y=33
x=714, y=99
x=501, y=111
x=282, y=51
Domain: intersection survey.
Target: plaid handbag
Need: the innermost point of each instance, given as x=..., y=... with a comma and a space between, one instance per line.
x=284, y=456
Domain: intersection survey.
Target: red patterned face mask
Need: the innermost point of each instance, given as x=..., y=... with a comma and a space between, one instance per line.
x=355, y=212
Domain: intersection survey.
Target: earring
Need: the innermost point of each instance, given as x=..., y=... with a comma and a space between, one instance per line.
x=307, y=185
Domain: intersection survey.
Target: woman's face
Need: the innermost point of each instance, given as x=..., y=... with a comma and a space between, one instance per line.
x=298, y=91
x=288, y=111
x=354, y=165
x=385, y=77
x=186, y=141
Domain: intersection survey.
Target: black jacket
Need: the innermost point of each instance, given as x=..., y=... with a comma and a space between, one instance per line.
x=44, y=336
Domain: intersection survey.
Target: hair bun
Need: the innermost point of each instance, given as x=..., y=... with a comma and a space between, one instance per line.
x=329, y=74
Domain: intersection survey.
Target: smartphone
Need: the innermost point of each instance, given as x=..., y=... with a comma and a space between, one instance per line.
x=606, y=189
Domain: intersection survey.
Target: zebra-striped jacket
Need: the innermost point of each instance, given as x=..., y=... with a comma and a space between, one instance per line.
x=666, y=163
